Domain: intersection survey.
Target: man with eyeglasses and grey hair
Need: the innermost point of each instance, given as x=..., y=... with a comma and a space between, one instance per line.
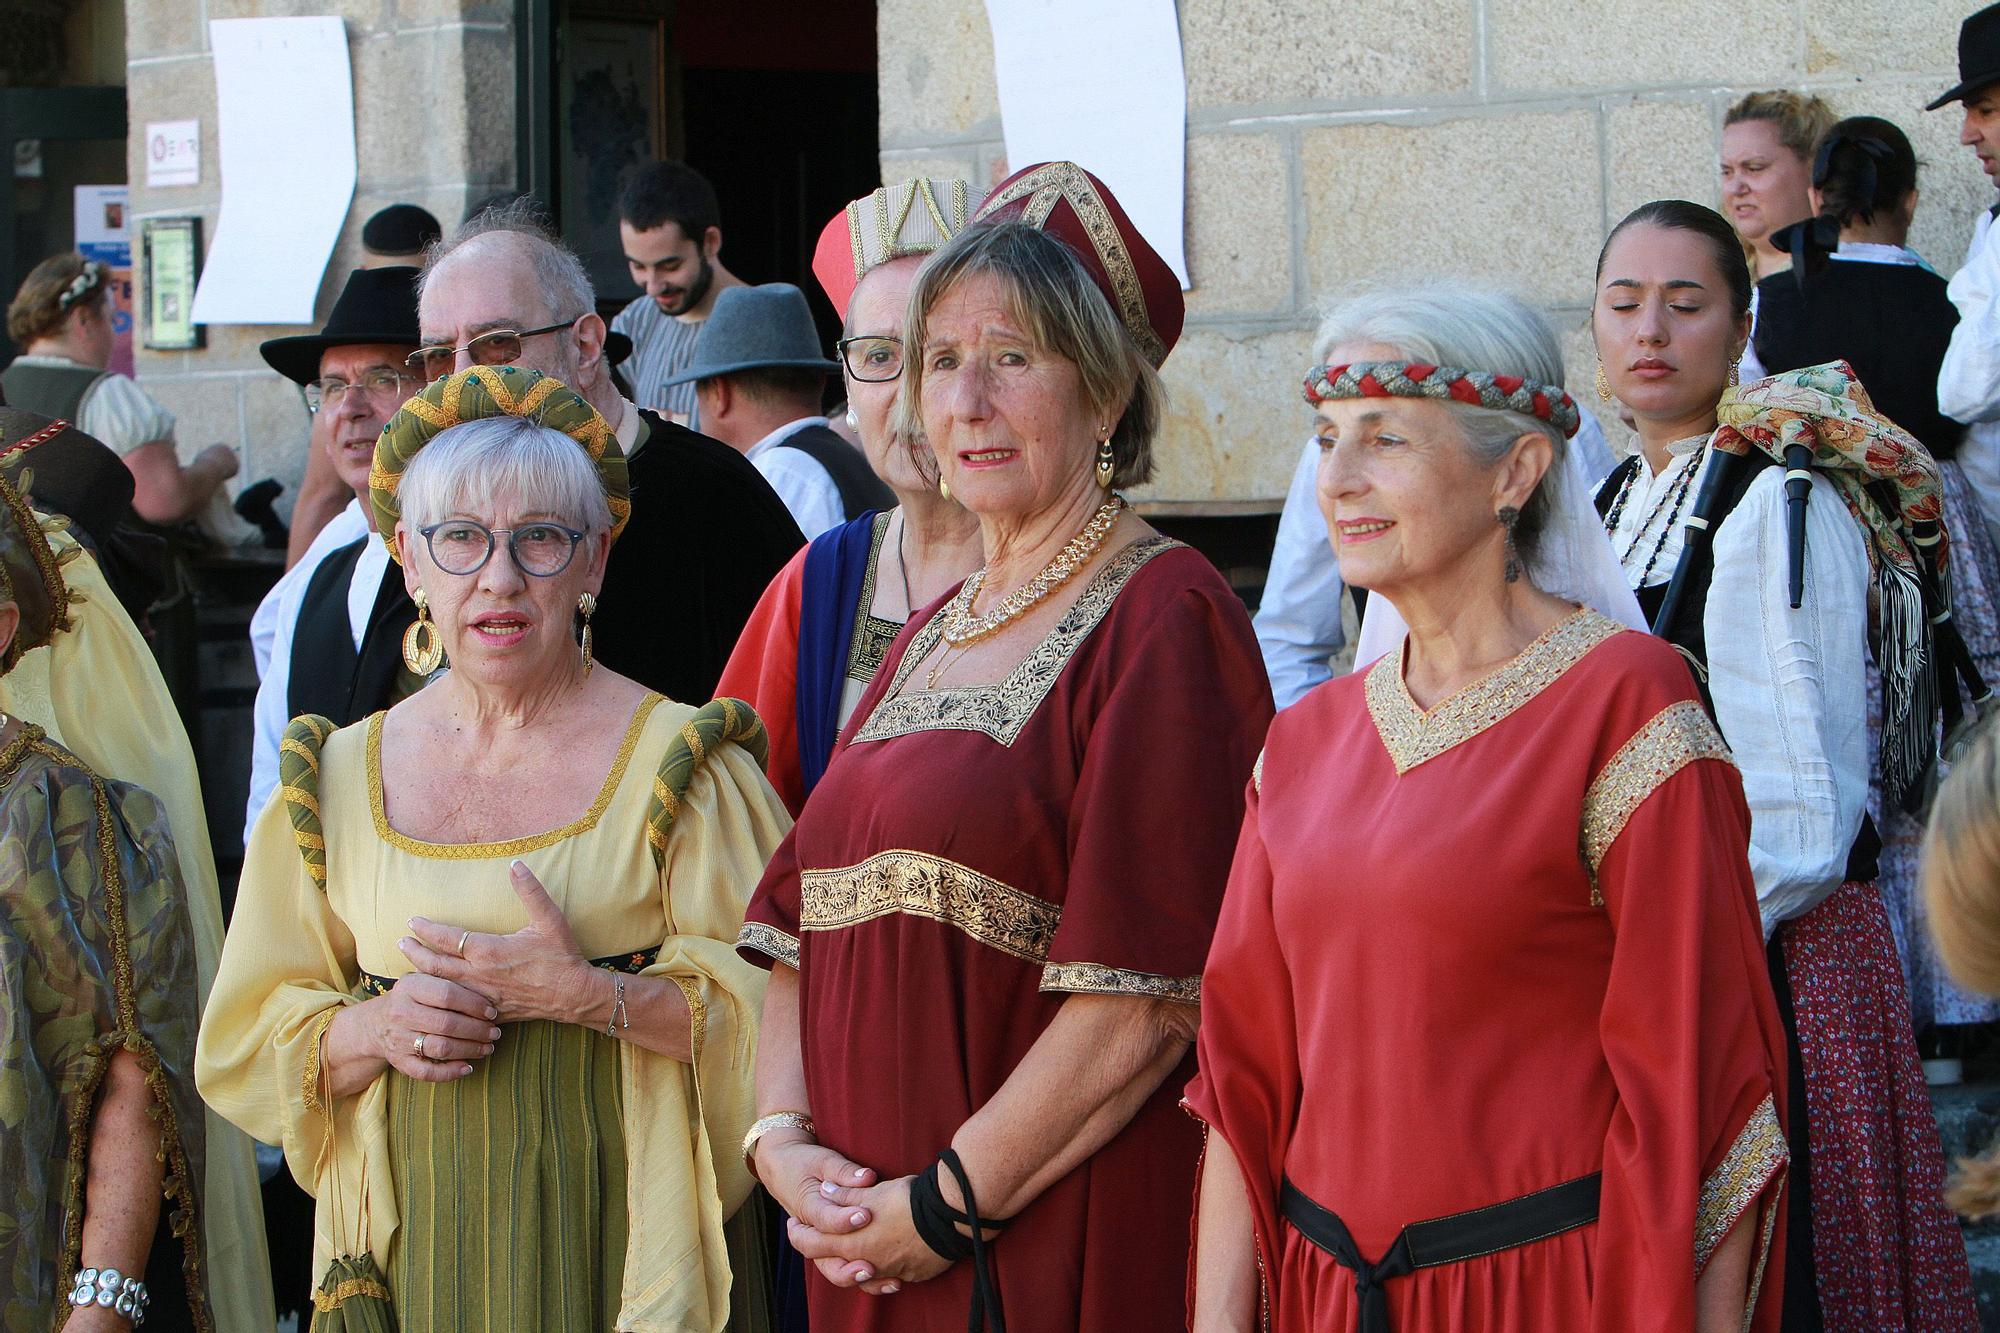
x=707, y=533
x=327, y=637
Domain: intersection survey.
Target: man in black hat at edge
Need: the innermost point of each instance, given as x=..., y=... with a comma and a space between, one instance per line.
x=1969, y=379
x=335, y=621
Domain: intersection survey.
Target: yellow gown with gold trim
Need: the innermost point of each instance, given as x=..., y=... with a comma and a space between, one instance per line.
x=297, y=951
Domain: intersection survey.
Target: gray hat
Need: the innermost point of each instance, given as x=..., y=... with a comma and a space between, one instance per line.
x=753, y=328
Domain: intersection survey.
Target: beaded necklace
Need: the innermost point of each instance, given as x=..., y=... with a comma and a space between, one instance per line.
x=959, y=628
x=1677, y=494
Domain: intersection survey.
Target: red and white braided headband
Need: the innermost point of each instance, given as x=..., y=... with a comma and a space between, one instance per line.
x=1417, y=379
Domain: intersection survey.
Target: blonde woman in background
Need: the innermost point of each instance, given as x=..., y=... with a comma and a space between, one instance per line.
x=1767, y=161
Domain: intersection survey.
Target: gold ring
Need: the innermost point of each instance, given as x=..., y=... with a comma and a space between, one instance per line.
x=420, y=1045
x=461, y=943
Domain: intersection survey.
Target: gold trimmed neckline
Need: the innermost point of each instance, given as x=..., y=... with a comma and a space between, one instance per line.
x=1413, y=735
x=479, y=851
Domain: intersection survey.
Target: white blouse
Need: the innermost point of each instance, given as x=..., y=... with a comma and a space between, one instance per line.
x=1789, y=686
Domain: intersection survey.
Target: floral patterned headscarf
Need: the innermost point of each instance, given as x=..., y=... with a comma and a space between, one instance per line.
x=1891, y=484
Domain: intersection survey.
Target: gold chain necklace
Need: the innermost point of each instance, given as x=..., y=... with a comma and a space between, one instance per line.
x=960, y=628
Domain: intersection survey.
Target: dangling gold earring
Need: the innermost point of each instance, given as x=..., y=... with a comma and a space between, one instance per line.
x=1735, y=373
x=586, y=605
x=1107, y=463
x=1603, y=384
x=944, y=488
x=423, y=646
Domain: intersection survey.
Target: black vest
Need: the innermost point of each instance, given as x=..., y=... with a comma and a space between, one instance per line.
x=328, y=676
x=51, y=391
x=860, y=489
x=1688, y=632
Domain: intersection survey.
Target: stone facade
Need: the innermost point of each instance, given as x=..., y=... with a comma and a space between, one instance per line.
x=1493, y=140
x=434, y=125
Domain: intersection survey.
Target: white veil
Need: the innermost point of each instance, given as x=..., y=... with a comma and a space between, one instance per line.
x=1574, y=560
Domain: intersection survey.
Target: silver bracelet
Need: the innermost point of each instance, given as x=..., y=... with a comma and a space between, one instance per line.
x=619, y=1018
x=109, y=1289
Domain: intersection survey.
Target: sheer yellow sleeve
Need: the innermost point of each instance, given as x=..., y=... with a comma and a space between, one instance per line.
x=685, y=1122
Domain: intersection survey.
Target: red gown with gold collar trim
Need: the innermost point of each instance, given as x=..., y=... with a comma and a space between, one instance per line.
x=975, y=856
x=1476, y=952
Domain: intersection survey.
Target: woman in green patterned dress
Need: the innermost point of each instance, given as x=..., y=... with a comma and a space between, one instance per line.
x=480, y=981
x=101, y=1142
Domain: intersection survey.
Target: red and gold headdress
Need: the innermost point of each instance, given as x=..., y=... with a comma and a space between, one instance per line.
x=1069, y=203
x=912, y=217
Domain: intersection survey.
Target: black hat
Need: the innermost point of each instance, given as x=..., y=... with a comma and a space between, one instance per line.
x=1978, y=55
x=379, y=305
x=400, y=229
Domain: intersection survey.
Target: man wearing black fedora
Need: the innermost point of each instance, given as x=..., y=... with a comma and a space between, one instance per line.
x=334, y=623
x=759, y=376
x=1969, y=379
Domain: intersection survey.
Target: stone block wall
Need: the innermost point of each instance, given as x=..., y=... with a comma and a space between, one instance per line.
x=1489, y=140
x=434, y=125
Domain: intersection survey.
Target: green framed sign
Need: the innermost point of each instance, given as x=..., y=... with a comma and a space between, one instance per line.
x=172, y=258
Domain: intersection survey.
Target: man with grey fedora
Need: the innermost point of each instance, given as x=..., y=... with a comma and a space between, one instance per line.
x=1969, y=379
x=758, y=374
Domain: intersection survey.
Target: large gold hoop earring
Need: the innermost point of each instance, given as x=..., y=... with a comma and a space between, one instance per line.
x=423, y=646
x=586, y=605
x=1107, y=464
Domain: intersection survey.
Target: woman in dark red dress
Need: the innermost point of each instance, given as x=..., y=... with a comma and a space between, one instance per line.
x=1486, y=1043
x=987, y=930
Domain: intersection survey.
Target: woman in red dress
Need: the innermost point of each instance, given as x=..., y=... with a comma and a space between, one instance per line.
x=986, y=933
x=1486, y=1040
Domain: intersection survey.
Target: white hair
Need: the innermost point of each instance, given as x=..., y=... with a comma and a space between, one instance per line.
x=560, y=278
x=469, y=468
x=1467, y=328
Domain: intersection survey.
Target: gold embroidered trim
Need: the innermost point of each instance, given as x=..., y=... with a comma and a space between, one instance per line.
x=769, y=941
x=1753, y=1160
x=1056, y=181
x=697, y=1015
x=298, y=787
x=481, y=851
x=917, y=884
x=1002, y=709
x=328, y=1301
x=716, y=723
x=309, y=1079
x=1413, y=736
x=1099, y=979
x=1676, y=736
x=869, y=640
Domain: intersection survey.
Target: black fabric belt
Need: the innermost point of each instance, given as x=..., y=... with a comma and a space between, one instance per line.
x=1441, y=1240
x=631, y=964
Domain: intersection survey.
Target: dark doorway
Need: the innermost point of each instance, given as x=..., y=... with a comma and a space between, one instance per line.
x=778, y=109
x=773, y=100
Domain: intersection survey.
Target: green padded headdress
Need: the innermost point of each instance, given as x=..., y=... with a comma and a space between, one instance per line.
x=493, y=391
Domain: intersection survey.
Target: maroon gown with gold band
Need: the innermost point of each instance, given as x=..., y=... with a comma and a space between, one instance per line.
x=973, y=857
x=1472, y=953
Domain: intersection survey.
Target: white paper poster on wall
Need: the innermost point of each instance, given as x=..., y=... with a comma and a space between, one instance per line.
x=284, y=101
x=1100, y=83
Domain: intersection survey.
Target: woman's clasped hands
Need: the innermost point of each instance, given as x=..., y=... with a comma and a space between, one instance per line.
x=857, y=1231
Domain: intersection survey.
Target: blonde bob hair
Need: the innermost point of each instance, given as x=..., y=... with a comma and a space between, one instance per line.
x=1047, y=293
x=1961, y=886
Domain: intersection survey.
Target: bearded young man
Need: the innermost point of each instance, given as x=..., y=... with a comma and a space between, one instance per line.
x=670, y=226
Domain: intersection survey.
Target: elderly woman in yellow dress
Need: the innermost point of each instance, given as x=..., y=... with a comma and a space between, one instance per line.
x=480, y=981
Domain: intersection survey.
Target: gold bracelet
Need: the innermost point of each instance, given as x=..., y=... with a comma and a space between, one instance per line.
x=798, y=1120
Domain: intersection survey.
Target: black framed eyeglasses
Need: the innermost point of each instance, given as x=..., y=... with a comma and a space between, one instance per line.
x=382, y=385
x=463, y=546
x=873, y=358
x=496, y=347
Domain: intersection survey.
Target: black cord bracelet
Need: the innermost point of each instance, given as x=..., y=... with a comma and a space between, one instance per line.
x=937, y=1222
